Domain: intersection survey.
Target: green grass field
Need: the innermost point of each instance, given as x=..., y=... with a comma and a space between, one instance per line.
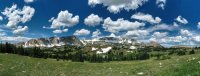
x=15, y=65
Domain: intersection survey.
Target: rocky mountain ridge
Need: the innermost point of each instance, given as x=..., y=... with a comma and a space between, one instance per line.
x=52, y=41
x=73, y=40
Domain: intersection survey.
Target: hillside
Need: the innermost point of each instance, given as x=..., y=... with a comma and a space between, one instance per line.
x=15, y=65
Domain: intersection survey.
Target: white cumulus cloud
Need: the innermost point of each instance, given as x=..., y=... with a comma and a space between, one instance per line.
x=170, y=40
x=96, y=33
x=29, y=1
x=182, y=20
x=161, y=3
x=20, y=30
x=196, y=39
x=60, y=31
x=65, y=30
x=163, y=26
x=57, y=31
x=82, y=32
x=115, y=6
x=146, y=17
x=178, y=39
x=15, y=15
x=28, y=13
x=120, y=25
x=185, y=32
x=64, y=19
x=136, y=33
x=93, y=20
x=159, y=34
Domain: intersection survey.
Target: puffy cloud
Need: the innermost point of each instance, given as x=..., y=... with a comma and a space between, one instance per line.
x=57, y=31
x=159, y=34
x=64, y=19
x=136, y=33
x=185, y=32
x=120, y=25
x=198, y=26
x=20, y=30
x=196, y=39
x=15, y=16
x=163, y=27
x=60, y=31
x=28, y=13
x=146, y=17
x=96, y=33
x=82, y=32
x=65, y=30
x=182, y=20
x=45, y=27
x=94, y=2
x=14, y=39
x=62, y=22
x=170, y=40
x=93, y=20
x=1, y=18
x=2, y=33
x=28, y=1
x=158, y=40
x=185, y=38
x=178, y=39
x=116, y=6
x=161, y=3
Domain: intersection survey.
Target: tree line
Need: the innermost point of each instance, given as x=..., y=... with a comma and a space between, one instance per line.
x=79, y=54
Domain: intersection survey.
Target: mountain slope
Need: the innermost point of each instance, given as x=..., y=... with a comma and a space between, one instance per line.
x=52, y=41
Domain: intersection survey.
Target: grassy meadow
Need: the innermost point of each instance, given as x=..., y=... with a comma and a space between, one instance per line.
x=15, y=65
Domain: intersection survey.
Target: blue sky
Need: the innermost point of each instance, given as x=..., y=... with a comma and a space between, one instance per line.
x=168, y=22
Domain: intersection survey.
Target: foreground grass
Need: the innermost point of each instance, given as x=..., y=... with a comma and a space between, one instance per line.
x=15, y=65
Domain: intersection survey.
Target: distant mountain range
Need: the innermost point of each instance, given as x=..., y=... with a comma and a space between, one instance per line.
x=52, y=41
x=73, y=40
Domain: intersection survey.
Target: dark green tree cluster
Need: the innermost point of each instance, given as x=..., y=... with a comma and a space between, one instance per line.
x=7, y=48
x=181, y=51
